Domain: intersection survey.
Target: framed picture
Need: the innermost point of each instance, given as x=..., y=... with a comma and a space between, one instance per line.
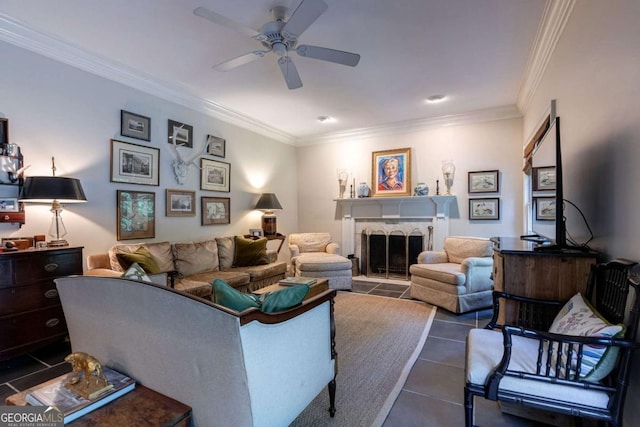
x=544, y=178
x=545, y=208
x=216, y=146
x=484, y=208
x=134, y=164
x=4, y=131
x=391, y=172
x=215, y=210
x=215, y=175
x=9, y=204
x=180, y=203
x=484, y=182
x=135, y=126
x=182, y=132
x=136, y=215
x=255, y=232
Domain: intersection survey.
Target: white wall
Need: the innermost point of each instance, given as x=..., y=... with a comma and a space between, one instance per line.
x=595, y=76
x=493, y=145
x=57, y=110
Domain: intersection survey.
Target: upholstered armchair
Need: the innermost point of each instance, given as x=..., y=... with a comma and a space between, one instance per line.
x=457, y=278
x=315, y=255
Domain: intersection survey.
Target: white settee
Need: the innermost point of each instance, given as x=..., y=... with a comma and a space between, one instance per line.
x=457, y=278
x=233, y=369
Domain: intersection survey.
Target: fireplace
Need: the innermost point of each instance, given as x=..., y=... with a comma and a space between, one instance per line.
x=389, y=255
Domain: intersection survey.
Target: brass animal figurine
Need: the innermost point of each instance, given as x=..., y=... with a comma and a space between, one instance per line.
x=88, y=378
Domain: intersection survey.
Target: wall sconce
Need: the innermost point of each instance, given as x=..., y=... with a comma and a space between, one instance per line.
x=267, y=203
x=55, y=190
x=448, y=171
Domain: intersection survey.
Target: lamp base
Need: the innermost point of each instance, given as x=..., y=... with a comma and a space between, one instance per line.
x=269, y=225
x=57, y=243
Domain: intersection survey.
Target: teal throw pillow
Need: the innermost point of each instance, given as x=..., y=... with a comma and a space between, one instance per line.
x=250, y=252
x=232, y=298
x=142, y=257
x=135, y=272
x=284, y=298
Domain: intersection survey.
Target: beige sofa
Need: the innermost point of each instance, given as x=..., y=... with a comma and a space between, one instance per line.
x=197, y=265
x=233, y=369
x=457, y=278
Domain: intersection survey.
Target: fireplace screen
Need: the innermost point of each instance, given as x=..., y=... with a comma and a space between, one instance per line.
x=390, y=255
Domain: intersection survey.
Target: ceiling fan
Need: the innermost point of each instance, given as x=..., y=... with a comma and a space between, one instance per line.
x=281, y=37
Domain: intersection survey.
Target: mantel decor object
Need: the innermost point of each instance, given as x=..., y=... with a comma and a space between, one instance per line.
x=448, y=171
x=55, y=190
x=343, y=175
x=391, y=172
x=268, y=202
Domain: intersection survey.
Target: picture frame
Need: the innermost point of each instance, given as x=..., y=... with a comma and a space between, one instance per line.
x=4, y=131
x=183, y=132
x=484, y=209
x=391, y=172
x=545, y=208
x=544, y=178
x=484, y=181
x=256, y=232
x=9, y=204
x=136, y=215
x=134, y=164
x=135, y=125
x=216, y=210
x=215, y=175
x=216, y=146
x=180, y=203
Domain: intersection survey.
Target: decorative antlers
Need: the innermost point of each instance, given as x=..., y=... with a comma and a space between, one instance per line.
x=180, y=165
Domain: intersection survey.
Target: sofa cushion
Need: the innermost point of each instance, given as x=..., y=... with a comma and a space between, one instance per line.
x=310, y=242
x=226, y=251
x=447, y=272
x=232, y=298
x=141, y=257
x=161, y=251
x=135, y=272
x=459, y=248
x=284, y=299
x=577, y=317
x=250, y=252
x=196, y=257
x=233, y=277
x=260, y=272
x=322, y=261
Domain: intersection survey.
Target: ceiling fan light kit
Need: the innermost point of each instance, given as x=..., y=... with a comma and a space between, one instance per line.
x=281, y=37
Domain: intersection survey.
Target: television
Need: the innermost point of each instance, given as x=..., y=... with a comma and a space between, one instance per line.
x=546, y=195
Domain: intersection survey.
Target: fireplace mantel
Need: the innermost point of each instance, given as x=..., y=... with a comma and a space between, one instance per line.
x=435, y=209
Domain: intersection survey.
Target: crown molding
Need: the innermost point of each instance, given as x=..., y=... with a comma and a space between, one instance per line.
x=478, y=116
x=17, y=33
x=554, y=19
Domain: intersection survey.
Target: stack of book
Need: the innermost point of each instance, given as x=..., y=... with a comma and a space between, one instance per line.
x=290, y=281
x=72, y=405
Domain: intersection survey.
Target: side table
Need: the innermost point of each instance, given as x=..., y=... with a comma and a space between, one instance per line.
x=276, y=236
x=140, y=407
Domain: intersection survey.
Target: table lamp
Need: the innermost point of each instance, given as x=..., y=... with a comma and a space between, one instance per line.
x=55, y=190
x=267, y=203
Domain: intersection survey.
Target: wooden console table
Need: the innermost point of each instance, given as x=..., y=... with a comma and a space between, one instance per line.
x=140, y=407
x=519, y=269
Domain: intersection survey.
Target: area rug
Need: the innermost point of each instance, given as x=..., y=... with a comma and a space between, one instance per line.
x=378, y=339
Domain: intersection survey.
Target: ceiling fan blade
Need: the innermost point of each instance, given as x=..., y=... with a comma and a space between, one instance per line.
x=216, y=18
x=305, y=15
x=240, y=60
x=331, y=55
x=289, y=72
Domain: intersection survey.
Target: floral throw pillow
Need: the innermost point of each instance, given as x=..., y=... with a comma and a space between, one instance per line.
x=578, y=318
x=135, y=272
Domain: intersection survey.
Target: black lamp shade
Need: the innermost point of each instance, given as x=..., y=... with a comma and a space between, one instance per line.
x=268, y=202
x=45, y=189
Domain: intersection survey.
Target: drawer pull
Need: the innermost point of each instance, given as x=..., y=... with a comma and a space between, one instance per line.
x=51, y=293
x=52, y=322
x=50, y=268
x=7, y=217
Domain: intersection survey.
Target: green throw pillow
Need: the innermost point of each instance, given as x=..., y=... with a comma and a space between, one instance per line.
x=142, y=257
x=284, y=298
x=232, y=298
x=135, y=272
x=250, y=252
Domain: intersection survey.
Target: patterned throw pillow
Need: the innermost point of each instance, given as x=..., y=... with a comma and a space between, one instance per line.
x=578, y=318
x=135, y=272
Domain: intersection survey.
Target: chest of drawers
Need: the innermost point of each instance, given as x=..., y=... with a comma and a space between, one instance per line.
x=30, y=312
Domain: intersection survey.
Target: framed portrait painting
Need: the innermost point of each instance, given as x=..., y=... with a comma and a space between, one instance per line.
x=136, y=215
x=180, y=203
x=134, y=164
x=484, y=208
x=484, y=182
x=215, y=175
x=135, y=126
x=216, y=210
x=391, y=172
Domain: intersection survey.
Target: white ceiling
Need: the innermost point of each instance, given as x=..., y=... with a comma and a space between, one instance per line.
x=474, y=51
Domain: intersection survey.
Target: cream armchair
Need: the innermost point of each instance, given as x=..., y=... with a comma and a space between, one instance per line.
x=315, y=255
x=457, y=278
